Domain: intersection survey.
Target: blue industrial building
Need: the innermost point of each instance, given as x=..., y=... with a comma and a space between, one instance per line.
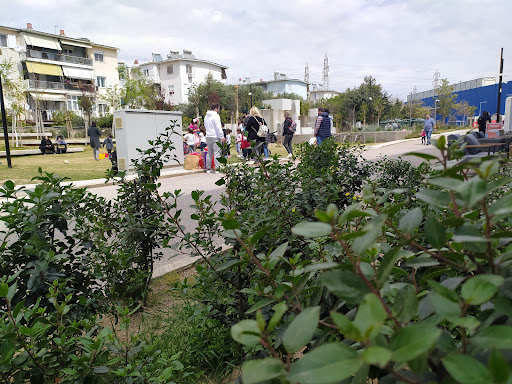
x=484, y=98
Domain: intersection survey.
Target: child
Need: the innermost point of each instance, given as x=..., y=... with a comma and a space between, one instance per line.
x=202, y=137
x=109, y=144
x=228, y=142
x=190, y=139
x=423, y=137
x=239, y=141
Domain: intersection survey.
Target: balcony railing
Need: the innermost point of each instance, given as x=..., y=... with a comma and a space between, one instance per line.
x=35, y=54
x=53, y=85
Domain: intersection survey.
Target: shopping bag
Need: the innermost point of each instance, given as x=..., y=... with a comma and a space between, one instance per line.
x=312, y=141
x=191, y=162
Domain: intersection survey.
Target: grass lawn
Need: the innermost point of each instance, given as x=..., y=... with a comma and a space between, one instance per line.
x=80, y=166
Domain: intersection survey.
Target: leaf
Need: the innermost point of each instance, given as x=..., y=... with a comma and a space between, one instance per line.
x=311, y=230
x=498, y=367
x=411, y=220
x=345, y=326
x=448, y=183
x=370, y=316
x=421, y=261
x=230, y=224
x=260, y=304
x=346, y=285
x=246, y=332
x=279, y=251
x=406, y=304
x=256, y=371
x=465, y=369
x=372, y=229
x=321, y=266
x=258, y=235
x=435, y=232
x=437, y=198
x=220, y=182
x=378, y=356
x=444, y=301
x=497, y=336
x=301, y=330
x=413, y=341
x=422, y=155
x=387, y=264
x=481, y=288
x=329, y=363
x=279, y=310
x=4, y=289
x=101, y=369
x=229, y=264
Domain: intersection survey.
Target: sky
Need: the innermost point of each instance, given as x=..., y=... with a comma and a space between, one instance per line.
x=399, y=43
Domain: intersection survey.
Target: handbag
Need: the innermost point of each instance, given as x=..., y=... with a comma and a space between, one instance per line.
x=262, y=132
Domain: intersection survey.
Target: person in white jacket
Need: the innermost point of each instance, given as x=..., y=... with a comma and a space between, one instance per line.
x=214, y=135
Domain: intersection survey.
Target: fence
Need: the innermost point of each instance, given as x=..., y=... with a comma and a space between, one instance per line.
x=360, y=137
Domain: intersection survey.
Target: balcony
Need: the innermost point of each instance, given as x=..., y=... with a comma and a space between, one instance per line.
x=60, y=86
x=41, y=55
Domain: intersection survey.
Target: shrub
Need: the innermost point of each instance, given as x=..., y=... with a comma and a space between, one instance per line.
x=105, y=121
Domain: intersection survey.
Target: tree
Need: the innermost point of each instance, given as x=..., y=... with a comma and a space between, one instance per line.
x=464, y=109
x=446, y=99
x=378, y=107
x=363, y=111
x=113, y=98
x=138, y=92
x=15, y=91
x=416, y=109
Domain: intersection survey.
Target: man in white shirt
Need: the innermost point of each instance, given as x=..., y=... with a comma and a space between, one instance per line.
x=214, y=135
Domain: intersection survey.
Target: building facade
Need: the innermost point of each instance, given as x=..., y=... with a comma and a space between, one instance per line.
x=281, y=85
x=58, y=70
x=316, y=95
x=177, y=73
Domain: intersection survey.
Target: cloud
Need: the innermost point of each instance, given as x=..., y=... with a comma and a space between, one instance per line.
x=400, y=43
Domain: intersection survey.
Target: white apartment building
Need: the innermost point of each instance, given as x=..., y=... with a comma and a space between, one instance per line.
x=178, y=72
x=59, y=69
x=316, y=95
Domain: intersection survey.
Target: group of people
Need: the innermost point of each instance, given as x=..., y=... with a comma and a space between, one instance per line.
x=46, y=145
x=94, y=140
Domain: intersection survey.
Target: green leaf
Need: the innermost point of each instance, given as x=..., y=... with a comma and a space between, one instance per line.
x=329, y=363
x=388, y=262
x=413, y=341
x=497, y=336
x=309, y=229
x=406, y=304
x=230, y=224
x=260, y=304
x=229, y=264
x=481, y=288
x=195, y=195
x=222, y=160
x=370, y=316
x=372, y=229
x=346, y=285
x=321, y=266
x=437, y=198
x=435, y=232
x=421, y=262
x=411, y=220
x=256, y=371
x=246, y=332
x=258, y=235
x=444, y=301
x=220, y=182
x=378, y=356
x=301, y=330
x=345, y=326
x=448, y=183
x=465, y=369
x=4, y=289
x=279, y=251
x=279, y=310
x=498, y=367
x=422, y=155
x=101, y=369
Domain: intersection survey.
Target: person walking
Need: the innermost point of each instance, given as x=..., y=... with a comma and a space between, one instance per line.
x=429, y=126
x=214, y=135
x=108, y=143
x=253, y=125
x=94, y=139
x=288, y=133
x=323, y=126
x=482, y=122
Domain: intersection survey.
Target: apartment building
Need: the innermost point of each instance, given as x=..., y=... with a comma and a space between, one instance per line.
x=178, y=72
x=59, y=69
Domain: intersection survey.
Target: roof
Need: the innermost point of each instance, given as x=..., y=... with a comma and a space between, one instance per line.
x=182, y=59
x=279, y=81
x=65, y=37
x=323, y=90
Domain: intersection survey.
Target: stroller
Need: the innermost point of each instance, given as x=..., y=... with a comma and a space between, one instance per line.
x=113, y=160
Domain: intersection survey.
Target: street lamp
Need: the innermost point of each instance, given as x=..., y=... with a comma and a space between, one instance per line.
x=435, y=110
x=482, y=102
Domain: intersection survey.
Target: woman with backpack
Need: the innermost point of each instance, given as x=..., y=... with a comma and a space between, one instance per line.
x=254, y=124
x=289, y=127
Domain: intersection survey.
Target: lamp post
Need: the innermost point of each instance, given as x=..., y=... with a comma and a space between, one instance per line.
x=482, y=102
x=435, y=110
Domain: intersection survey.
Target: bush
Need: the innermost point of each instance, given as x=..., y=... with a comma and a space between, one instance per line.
x=105, y=121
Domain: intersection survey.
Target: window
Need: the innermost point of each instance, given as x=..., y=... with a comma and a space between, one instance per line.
x=171, y=89
x=189, y=69
x=72, y=102
x=98, y=56
x=146, y=72
x=102, y=109
x=170, y=69
x=3, y=40
x=101, y=81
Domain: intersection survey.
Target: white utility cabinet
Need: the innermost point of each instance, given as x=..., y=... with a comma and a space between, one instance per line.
x=508, y=114
x=134, y=128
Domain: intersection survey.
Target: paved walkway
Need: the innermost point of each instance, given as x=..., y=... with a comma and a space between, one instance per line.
x=188, y=180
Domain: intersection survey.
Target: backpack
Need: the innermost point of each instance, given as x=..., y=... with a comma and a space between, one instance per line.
x=293, y=127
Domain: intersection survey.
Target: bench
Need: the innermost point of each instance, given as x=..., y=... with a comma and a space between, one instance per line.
x=25, y=152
